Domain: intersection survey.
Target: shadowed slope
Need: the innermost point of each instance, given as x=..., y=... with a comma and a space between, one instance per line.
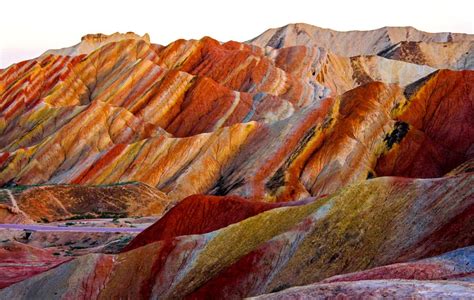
x=440, y=114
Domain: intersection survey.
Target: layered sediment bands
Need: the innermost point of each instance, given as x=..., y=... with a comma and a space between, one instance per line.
x=180, y=256
x=166, y=163
x=282, y=247
x=440, y=114
x=350, y=150
x=203, y=214
x=19, y=261
x=166, y=86
x=369, y=131
x=243, y=68
x=454, y=265
x=97, y=128
x=351, y=233
x=277, y=163
x=59, y=202
x=269, y=164
x=398, y=289
x=339, y=74
x=129, y=73
x=23, y=84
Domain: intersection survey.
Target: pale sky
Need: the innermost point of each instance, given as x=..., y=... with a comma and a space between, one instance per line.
x=28, y=28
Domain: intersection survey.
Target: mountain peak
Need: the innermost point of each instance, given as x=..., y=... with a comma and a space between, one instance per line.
x=91, y=42
x=350, y=43
x=101, y=37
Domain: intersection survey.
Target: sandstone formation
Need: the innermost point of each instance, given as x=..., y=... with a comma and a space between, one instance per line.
x=281, y=247
x=257, y=159
x=205, y=214
x=454, y=265
x=19, y=261
x=59, y=202
x=303, y=163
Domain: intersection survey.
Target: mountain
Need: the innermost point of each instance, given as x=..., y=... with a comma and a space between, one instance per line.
x=439, y=50
x=305, y=162
x=91, y=42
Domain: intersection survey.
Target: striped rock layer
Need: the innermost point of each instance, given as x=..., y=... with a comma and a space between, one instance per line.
x=284, y=161
x=393, y=289
x=366, y=225
x=264, y=124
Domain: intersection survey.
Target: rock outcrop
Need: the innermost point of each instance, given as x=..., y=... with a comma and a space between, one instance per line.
x=49, y=203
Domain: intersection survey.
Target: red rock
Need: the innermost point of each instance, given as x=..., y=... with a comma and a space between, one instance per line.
x=203, y=214
x=282, y=247
x=19, y=261
x=249, y=137
x=440, y=112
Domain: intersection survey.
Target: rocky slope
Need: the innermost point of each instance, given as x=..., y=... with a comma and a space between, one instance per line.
x=19, y=261
x=281, y=247
x=48, y=203
x=338, y=162
x=440, y=50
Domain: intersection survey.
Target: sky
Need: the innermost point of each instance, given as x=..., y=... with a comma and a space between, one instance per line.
x=28, y=28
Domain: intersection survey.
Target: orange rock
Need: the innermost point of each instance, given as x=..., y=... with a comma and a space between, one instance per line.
x=440, y=114
x=60, y=202
x=269, y=151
